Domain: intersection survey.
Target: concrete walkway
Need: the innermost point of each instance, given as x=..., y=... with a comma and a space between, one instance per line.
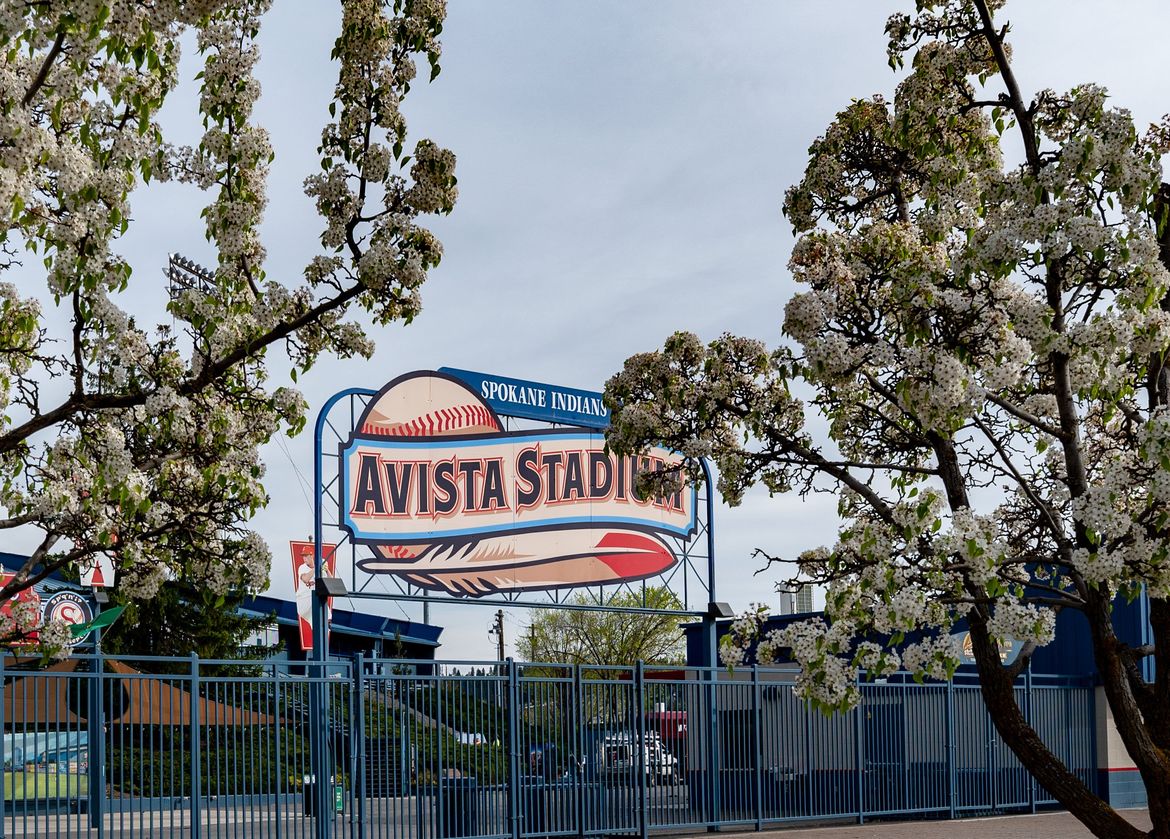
x=1044, y=826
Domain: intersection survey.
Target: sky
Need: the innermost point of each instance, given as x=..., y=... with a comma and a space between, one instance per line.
x=621, y=169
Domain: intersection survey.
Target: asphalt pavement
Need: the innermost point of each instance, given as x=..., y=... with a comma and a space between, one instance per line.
x=1042, y=826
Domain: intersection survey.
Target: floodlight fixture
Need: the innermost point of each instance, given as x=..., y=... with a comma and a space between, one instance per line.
x=720, y=610
x=184, y=274
x=332, y=587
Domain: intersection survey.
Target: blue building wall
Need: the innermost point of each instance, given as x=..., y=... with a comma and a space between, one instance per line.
x=1071, y=654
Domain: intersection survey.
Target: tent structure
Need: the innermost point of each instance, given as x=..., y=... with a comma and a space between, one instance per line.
x=57, y=698
x=41, y=700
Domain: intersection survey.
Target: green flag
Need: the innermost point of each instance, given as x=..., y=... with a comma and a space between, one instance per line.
x=100, y=622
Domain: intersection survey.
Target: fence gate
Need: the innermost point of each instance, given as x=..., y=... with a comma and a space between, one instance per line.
x=429, y=750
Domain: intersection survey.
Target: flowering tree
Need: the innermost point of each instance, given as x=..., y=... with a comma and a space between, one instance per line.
x=142, y=442
x=985, y=333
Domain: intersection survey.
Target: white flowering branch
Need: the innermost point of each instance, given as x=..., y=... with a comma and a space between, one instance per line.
x=149, y=453
x=975, y=336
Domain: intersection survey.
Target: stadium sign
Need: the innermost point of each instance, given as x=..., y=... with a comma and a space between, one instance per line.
x=450, y=501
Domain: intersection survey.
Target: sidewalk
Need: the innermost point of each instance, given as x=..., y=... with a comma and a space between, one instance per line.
x=1044, y=826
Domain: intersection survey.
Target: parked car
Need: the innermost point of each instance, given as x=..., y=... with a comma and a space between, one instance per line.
x=618, y=759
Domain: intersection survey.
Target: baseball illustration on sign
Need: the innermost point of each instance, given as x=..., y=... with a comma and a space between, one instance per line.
x=449, y=501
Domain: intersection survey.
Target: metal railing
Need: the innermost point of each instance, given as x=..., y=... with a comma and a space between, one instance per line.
x=427, y=750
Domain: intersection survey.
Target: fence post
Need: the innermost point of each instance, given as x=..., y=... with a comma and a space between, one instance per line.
x=357, y=723
x=952, y=749
x=96, y=737
x=514, y=749
x=710, y=675
x=1028, y=718
x=757, y=738
x=579, y=728
x=278, y=731
x=858, y=755
x=643, y=745
x=3, y=815
x=196, y=757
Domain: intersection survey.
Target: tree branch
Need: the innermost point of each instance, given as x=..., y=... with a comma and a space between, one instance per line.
x=47, y=65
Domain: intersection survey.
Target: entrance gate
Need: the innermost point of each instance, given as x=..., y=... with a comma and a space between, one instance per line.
x=428, y=750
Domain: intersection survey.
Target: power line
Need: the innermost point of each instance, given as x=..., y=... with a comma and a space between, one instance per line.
x=302, y=481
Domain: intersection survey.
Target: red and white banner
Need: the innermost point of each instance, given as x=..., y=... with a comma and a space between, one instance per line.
x=303, y=586
x=99, y=574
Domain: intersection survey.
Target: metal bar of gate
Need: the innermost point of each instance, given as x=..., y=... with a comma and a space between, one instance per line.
x=196, y=772
x=859, y=757
x=513, y=705
x=642, y=745
x=952, y=751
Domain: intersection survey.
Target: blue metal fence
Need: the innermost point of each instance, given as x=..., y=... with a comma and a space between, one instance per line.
x=426, y=750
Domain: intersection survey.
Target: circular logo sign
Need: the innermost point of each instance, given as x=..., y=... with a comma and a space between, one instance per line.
x=69, y=607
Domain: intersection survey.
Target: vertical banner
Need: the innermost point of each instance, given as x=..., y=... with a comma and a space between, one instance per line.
x=100, y=573
x=22, y=610
x=303, y=585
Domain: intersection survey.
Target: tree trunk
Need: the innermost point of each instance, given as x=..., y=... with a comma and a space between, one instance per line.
x=996, y=685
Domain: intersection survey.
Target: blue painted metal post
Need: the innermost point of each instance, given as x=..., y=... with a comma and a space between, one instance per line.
x=952, y=748
x=318, y=690
x=710, y=662
x=357, y=737
x=279, y=732
x=1028, y=717
x=196, y=757
x=757, y=742
x=711, y=721
x=3, y=814
x=319, y=715
x=1093, y=761
x=643, y=745
x=579, y=750
x=513, y=749
x=441, y=789
x=859, y=755
x=96, y=736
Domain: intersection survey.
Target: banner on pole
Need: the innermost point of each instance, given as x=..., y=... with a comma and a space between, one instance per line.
x=304, y=580
x=100, y=574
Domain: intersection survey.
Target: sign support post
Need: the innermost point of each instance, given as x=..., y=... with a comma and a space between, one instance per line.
x=321, y=762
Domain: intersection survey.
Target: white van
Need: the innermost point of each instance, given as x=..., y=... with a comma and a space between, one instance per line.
x=618, y=759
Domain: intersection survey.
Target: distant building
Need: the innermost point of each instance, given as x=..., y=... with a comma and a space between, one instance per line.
x=804, y=599
x=796, y=602
x=349, y=632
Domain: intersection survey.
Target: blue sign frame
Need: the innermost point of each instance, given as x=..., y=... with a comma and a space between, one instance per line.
x=336, y=420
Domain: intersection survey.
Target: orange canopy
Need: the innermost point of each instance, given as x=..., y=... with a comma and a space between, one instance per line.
x=36, y=700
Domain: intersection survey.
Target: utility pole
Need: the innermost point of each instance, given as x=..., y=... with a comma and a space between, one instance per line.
x=498, y=630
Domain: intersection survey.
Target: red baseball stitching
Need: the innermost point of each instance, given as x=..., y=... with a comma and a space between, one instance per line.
x=442, y=421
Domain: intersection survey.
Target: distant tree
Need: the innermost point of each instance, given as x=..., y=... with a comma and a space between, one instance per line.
x=984, y=338
x=578, y=636
x=137, y=437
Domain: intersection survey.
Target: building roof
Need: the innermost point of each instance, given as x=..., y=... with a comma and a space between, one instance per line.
x=341, y=620
x=347, y=622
